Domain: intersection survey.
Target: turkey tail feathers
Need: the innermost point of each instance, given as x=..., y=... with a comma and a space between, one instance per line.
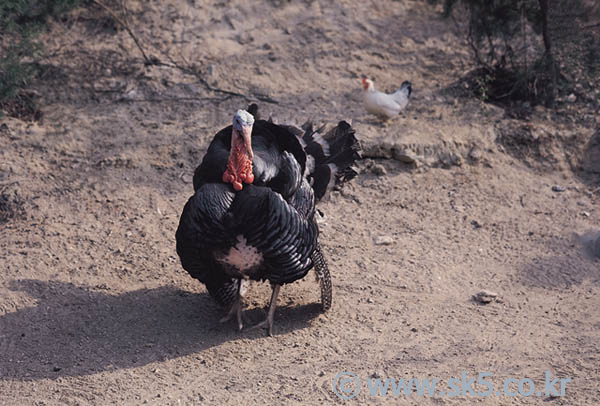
x=322, y=271
x=330, y=156
x=253, y=109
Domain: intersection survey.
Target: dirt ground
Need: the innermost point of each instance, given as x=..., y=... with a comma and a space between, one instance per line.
x=96, y=309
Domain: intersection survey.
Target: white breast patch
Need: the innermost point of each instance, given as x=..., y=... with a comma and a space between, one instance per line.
x=242, y=256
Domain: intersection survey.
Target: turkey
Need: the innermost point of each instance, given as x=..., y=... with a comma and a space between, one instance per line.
x=382, y=104
x=252, y=216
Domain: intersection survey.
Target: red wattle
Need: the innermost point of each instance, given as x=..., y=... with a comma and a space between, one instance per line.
x=239, y=169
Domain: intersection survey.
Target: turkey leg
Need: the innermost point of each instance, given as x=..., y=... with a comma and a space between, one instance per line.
x=268, y=322
x=236, y=308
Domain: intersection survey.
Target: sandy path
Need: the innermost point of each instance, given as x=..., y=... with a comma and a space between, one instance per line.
x=95, y=308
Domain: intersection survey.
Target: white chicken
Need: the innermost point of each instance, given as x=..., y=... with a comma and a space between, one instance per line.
x=385, y=105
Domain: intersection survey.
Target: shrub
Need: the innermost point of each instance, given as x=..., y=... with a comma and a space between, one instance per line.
x=520, y=45
x=20, y=21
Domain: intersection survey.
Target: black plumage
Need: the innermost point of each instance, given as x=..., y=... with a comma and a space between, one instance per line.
x=267, y=230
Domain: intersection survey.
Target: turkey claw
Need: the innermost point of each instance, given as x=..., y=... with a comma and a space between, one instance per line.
x=267, y=323
x=236, y=309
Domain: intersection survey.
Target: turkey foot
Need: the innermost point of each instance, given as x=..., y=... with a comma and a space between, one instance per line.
x=236, y=309
x=268, y=322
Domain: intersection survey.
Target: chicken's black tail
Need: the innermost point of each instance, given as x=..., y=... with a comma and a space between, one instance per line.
x=406, y=88
x=330, y=156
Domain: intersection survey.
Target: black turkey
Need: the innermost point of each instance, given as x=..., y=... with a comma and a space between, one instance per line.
x=252, y=216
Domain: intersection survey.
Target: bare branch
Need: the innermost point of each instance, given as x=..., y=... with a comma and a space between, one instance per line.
x=153, y=60
x=171, y=99
x=147, y=60
x=586, y=27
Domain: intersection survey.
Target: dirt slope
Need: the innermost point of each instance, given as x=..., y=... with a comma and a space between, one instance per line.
x=95, y=308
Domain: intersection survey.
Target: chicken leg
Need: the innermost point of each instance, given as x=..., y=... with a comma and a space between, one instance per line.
x=268, y=322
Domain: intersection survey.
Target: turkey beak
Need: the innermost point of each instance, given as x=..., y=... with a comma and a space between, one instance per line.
x=246, y=134
x=239, y=164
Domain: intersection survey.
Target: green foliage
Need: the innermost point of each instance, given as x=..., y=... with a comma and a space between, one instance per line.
x=14, y=73
x=31, y=13
x=482, y=85
x=20, y=22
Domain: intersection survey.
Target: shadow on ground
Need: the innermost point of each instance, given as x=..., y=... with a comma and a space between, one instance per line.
x=590, y=162
x=563, y=271
x=77, y=330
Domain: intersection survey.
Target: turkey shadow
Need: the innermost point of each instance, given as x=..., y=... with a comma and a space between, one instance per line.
x=78, y=330
x=561, y=272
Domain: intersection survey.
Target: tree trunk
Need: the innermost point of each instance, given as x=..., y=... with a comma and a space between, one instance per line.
x=549, y=60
